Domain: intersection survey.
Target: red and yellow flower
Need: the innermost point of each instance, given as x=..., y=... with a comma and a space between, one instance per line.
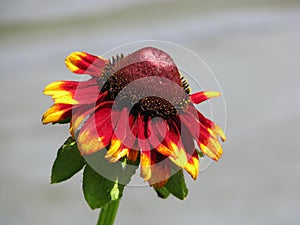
x=138, y=107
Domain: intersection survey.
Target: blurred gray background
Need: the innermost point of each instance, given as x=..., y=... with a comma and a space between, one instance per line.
x=253, y=48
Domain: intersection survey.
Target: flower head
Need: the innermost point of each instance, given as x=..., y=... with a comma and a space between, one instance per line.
x=136, y=107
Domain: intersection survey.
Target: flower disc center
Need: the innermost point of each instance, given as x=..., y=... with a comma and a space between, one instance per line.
x=147, y=82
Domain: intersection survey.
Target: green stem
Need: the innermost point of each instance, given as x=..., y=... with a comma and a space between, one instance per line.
x=108, y=213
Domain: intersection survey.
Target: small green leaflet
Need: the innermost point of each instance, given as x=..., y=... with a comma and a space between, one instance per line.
x=67, y=163
x=175, y=185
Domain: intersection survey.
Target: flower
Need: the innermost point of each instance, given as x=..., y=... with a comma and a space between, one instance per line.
x=138, y=107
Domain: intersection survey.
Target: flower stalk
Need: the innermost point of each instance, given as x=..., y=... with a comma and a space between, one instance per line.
x=108, y=213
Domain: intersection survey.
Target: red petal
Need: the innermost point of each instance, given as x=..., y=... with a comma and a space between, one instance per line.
x=160, y=172
x=192, y=167
x=57, y=113
x=142, y=140
x=81, y=62
x=96, y=132
x=154, y=138
x=207, y=142
x=203, y=96
x=73, y=92
x=145, y=162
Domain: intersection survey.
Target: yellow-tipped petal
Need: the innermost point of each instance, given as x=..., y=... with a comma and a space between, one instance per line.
x=218, y=130
x=145, y=161
x=211, y=94
x=203, y=96
x=178, y=156
x=55, y=114
x=82, y=62
x=59, y=95
x=114, y=147
x=72, y=61
x=192, y=167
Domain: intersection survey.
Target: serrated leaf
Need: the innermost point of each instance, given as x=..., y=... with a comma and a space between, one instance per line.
x=162, y=192
x=97, y=189
x=176, y=185
x=67, y=163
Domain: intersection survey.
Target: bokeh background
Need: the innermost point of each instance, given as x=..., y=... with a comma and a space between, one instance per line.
x=253, y=48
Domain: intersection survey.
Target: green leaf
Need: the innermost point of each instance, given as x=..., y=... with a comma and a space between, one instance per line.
x=104, y=181
x=176, y=185
x=67, y=163
x=97, y=189
x=162, y=192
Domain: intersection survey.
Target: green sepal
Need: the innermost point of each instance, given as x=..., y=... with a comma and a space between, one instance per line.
x=67, y=163
x=162, y=192
x=176, y=185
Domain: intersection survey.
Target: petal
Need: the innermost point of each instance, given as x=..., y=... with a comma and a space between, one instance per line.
x=117, y=153
x=115, y=148
x=59, y=94
x=208, y=123
x=79, y=114
x=73, y=92
x=156, y=131
x=192, y=167
x=207, y=142
x=131, y=134
x=145, y=162
x=203, y=96
x=143, y=142
x=160, y=172
x=81, y=62
x=133, y=155
x=173, y=142
x=122, y=127
x=57, y=113
x=96, y=131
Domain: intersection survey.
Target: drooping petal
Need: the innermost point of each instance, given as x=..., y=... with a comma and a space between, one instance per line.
x=96, y=132
x=84, y=63
x=203, y=96
x=156, y=131
x=131, y=139
x=172, y=146
x=192, y=167
x=113, y=150
x=116, y=152
x=214, y=127
x=145, y=162
x=208, y=143
x=57, y=113
x=160, y=171
x=143, y=142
